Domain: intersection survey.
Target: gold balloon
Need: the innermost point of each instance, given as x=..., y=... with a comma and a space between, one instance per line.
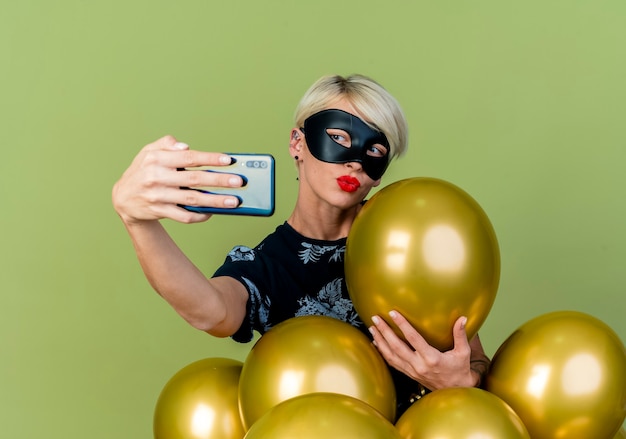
x=564, y=374
x=322, y=415
x=461, y=413
x=312, y=354
x=425, y=248
x=200, y=402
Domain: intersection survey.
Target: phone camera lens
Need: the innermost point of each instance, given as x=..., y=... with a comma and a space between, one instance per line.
x=256, y=164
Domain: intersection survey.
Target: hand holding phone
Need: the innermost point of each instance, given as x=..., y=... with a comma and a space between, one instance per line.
x=257, y=194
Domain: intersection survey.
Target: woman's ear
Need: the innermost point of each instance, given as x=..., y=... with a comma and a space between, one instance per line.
x=295, y=142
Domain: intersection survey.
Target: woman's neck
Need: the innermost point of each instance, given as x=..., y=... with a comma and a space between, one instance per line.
x=325, y=223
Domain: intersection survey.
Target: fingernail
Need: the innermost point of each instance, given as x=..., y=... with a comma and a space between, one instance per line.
x=226, y=160
x=234, y=181
x=463, y=322
x=371, y=330
x=393, y=314
x=376, y=320
x=181, y=146
x=231, y=202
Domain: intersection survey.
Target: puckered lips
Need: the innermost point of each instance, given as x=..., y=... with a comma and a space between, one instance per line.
x=348, y=183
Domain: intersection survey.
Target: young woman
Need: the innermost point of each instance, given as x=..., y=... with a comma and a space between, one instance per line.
x=347, y=131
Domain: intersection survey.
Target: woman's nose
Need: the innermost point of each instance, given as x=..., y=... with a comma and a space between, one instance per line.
x=354, y=165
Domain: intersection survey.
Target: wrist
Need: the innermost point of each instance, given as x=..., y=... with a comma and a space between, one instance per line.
x=476, y=378
x=478, y=371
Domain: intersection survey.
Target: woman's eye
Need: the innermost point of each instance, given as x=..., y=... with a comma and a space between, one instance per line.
x=377, y=151
x=340, y=137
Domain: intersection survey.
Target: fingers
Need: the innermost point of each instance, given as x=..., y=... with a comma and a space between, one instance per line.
x=154, y=188
x=395, y=351
x=410, y=334
x=415, y=339
x=381, y=332
x=172, y=211
x=184, y=158
x=180, y=146
x=461, y=343
x=458, y=330
x=161, y=160
x=421, y=361
x=187, y=197
x=170, y=191
x=201, y=179
x=166, y=142
x=204, y=199
x=170, y=152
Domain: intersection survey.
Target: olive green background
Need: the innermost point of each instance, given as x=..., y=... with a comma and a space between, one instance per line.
x=522, y=104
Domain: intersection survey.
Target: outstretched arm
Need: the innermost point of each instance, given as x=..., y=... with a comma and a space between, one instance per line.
x=150, y=190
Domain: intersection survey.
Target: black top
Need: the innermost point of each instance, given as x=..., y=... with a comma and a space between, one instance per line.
x=289, y=275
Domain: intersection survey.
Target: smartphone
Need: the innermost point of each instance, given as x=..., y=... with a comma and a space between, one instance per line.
x=256, y=196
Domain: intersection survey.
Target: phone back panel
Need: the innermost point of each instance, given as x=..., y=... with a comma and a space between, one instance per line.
x=257, y=196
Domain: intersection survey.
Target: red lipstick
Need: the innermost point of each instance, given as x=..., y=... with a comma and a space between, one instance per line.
x=348, y=183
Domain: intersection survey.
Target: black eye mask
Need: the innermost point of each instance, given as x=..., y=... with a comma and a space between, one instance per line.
x=324, y=148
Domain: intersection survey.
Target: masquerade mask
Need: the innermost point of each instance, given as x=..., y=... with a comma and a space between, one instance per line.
x=362, y=137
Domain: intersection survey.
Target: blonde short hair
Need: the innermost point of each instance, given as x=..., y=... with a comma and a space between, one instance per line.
x=379, y=109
